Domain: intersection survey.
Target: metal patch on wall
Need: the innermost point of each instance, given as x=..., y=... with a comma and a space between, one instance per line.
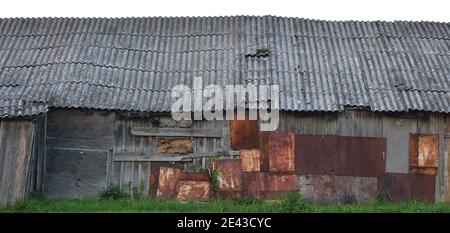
x=277, y=151
x=168, y=178
x=407, y=187
x=193, y=190
x=265, y=184
x=250, y=160
x=423, y=153
x=229, y=176
x=338, y=189
x=244, y=134
x=338, y=155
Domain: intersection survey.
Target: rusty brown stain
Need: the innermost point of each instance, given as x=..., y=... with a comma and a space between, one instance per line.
x=407, y=187
x=447, y=178
x=254, y=183
x=338, y=189
x=423, y=153
x=250, y=160
x=267, y=184
x=154, y=174
x=339, y=155
x=168, y=178
x=194, y=176
x=281, y=151
x=230, y=174
x=281, y=183
x=193, y=190
x=264, y=150
x=173, y=146
x=244, y=134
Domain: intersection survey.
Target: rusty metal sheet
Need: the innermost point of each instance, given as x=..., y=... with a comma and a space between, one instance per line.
x=338, y=189
x=281, y=183
x=268, y=185
x=281, y=151
x=230, y=174
x=423, y=153
x=167, y=181
x=407, y=187
x=339, y=155
x=244, y=134
x=254, y=183
x=264, y=150
x=277, y=151
x=154, y=174
x=193, y=190
x=195, y=176
x=250, y=160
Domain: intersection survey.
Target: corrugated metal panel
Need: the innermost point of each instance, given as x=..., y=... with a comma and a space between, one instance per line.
x=132, y=63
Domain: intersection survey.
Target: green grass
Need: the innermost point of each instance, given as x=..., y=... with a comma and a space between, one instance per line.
x=287, y=204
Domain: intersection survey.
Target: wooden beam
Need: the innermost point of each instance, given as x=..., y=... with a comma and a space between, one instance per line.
x=143, y=157
x=176, y=132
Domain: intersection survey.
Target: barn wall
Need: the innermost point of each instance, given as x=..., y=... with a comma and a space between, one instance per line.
x=134, y=176
x=79, y=144
x=395, y=127
x=21, y=158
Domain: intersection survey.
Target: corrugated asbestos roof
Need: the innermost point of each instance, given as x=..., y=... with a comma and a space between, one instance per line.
x=20, y=108
x=132, y=63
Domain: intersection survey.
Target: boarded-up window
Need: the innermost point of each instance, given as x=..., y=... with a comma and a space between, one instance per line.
x=423, y=153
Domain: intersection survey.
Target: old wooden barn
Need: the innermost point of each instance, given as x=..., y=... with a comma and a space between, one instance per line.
x=85, y=104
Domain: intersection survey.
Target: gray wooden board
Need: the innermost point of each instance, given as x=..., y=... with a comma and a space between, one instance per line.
x=80, y=129
x=176, y=132
x=75, y=174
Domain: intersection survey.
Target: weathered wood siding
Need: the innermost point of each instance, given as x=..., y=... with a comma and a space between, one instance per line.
x=134, y=176
x=79, y=144
x=20, y=158
x=395, y=127
x=447, y=162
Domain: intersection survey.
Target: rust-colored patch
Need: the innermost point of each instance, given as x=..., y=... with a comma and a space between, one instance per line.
x=407, y=187
x=264, y=150
x=254, y=183
x=230, y=175
x=250, y=160
x=423, y=154
x=173, y=146
x=268, y=185
x=281, y=151
x=277, y=151
x=338, y=189
x=193, y=190
x=154, y=174
x=168, y=178
x=447, y=178
x=244, y=134
x=281, y=183
x=338, y=155
x=194, y=176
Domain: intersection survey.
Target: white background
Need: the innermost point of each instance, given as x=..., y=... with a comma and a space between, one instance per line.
x=429, y=10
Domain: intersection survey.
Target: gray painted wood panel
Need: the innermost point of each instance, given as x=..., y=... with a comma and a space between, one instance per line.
x=75, y=173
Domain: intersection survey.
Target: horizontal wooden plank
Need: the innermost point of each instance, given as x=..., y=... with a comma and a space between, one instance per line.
x=153, y=158
x=130, y=156
x=176, y=132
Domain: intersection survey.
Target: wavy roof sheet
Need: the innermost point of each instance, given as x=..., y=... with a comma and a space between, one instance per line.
x=132, y=63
